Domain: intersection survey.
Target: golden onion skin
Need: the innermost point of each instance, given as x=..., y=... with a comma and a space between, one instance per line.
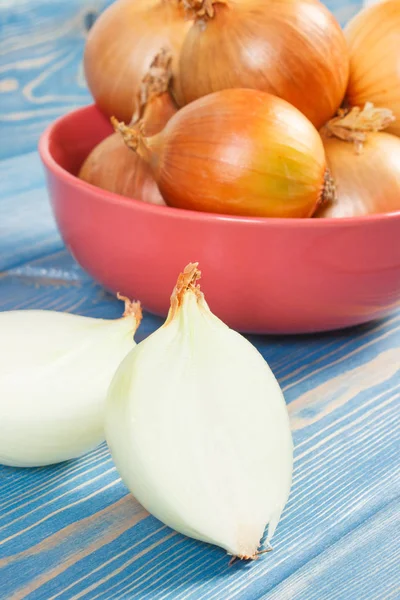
x=373, y=37
x=367, y=182
x=239, y=152
x=121, y=47
x=294, y=49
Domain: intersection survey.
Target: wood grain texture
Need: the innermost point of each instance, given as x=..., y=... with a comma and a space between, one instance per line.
x=41, y=76
x=340, y=570
x=27, y=227
x=72, y=530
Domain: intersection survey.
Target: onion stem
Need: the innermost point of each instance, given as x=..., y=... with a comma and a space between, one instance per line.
x=354, y=125
x=201, y=8
x=154, y=83
x=131, y=308
x=187, y=280
x=133, y=137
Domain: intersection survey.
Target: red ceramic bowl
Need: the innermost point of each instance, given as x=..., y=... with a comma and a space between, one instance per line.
x=259, y=275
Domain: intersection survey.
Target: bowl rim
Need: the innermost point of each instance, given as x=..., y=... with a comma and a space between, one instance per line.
x=52, y=165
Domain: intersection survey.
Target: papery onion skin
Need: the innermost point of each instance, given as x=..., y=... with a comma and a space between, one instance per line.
x=111, y=165
x=157, y=112
x=239, y=152
x=373, y=37
x=121, y=46
x=367, y=182
x=198, y=428
x=294, y=49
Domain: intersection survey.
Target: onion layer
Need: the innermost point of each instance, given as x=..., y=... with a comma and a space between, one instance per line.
x=198, y=428
x=365, y=165
x=293, y=49
x=374, y=42
x=55, y=370
x=240, y=152
x=121, y=46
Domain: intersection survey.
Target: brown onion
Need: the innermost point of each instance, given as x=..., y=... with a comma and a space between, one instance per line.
x=121, y=46
x=293, y=49
x=364, y=162
x=374, y=42
x=240, y=152
x=111, y=165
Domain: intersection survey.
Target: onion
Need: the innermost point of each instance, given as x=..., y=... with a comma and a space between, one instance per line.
x=364, y=162
x=374, y=42
x=55, y=370
x=198, y=428
x=241, y=152
x=111, y=165
x=293, y=49
x=121, y=46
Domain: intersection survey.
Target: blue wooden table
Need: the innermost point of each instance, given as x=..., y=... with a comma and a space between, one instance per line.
x=72, y=530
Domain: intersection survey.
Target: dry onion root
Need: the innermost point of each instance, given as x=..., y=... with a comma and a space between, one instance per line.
x=110, y=165
x=373, y=37
x=364, y=162
x=240, y=152
x=293, y=49
x=121, y=46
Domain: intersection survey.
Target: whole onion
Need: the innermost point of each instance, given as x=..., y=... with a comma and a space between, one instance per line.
x=121, y=46
x=374, y=42
x=293, y=49
x=364, y=162
x=240, y=152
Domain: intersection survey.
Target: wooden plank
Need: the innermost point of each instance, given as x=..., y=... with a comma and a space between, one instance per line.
x=362, y=565
x=72, y=530
x=41, y=74
x=27, y=226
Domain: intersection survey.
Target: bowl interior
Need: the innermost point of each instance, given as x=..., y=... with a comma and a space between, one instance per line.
x=75, y=135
